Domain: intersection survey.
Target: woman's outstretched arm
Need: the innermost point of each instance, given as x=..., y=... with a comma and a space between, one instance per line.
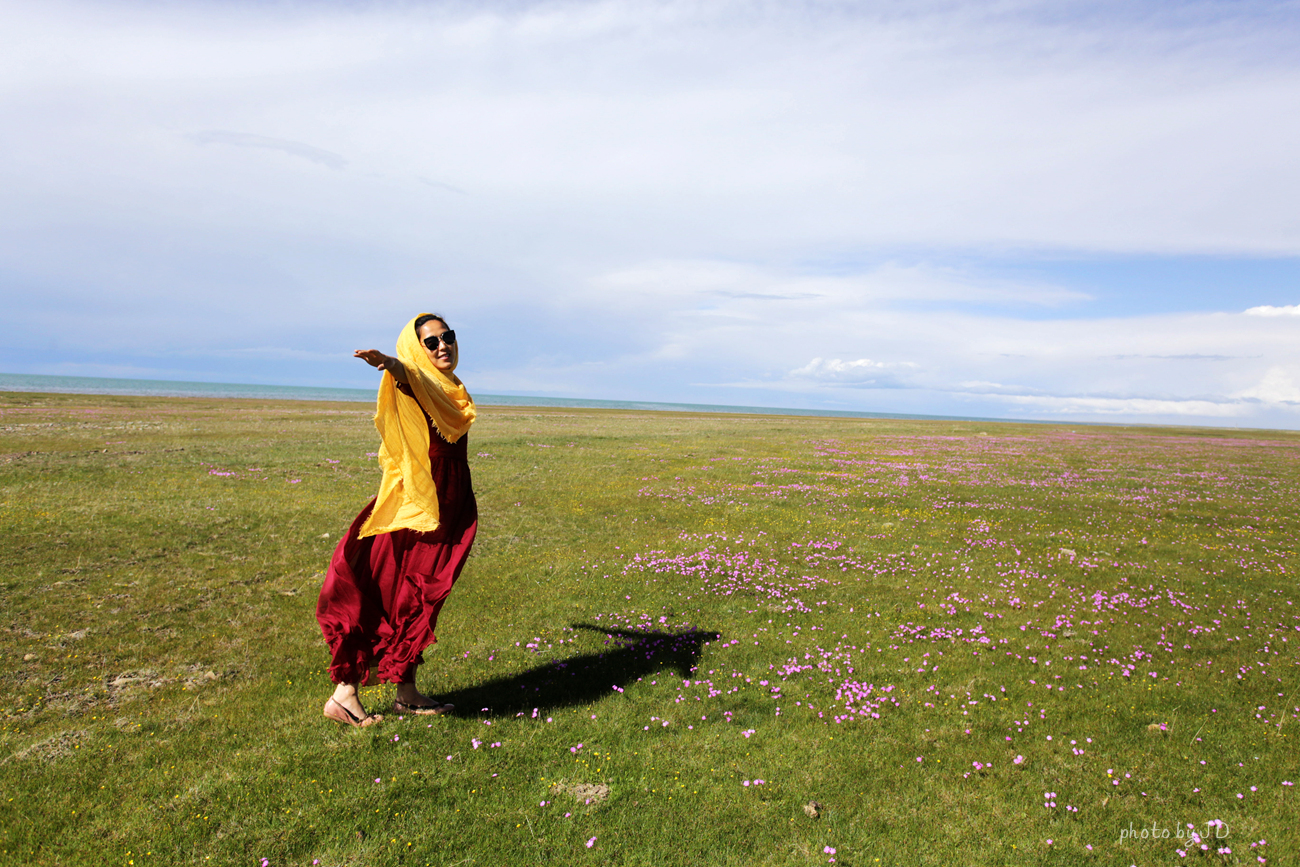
x=377, y=359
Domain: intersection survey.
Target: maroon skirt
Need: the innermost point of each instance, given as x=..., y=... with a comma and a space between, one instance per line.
x=382, y=594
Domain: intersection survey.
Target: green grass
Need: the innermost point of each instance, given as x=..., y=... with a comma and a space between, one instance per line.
x=161, y=557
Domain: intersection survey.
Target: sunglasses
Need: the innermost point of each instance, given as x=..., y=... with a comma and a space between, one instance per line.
x=448, y=339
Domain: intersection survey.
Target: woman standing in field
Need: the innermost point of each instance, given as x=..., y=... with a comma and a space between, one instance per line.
x=393, y=570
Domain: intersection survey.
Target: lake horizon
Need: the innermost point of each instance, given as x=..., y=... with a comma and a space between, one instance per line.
x=32, y=382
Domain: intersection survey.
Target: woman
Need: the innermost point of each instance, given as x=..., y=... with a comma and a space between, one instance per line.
x=393, y=570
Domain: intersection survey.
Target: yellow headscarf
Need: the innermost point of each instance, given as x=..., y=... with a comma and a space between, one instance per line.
x=407, y=497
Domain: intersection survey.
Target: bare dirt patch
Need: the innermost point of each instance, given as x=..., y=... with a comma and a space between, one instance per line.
x=588, y=793
x=54, y=747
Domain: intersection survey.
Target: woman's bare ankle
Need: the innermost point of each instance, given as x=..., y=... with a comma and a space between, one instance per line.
x=407, y=693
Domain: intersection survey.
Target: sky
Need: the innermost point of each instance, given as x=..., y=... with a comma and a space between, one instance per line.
x=1057, y=210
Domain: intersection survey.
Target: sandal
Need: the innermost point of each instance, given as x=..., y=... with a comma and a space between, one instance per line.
x=349, y=717
x=435, y=709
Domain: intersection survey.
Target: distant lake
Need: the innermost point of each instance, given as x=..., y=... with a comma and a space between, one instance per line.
x=167, y=388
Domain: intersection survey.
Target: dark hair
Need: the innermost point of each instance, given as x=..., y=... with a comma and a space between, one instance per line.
x=428, y=317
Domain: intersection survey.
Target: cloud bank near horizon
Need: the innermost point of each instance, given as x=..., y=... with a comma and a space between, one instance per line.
x=846, y=206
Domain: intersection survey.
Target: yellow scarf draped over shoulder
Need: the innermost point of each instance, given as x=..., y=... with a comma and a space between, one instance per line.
x=407, y=497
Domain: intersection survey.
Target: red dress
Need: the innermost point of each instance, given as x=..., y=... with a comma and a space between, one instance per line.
x=382, y=594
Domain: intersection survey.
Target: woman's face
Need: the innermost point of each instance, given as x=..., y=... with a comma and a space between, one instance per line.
x=444, y=357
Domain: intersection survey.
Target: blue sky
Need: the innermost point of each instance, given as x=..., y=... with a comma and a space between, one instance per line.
x=1074, y=211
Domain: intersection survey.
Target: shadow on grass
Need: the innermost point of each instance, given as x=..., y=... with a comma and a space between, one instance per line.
x=585, y=678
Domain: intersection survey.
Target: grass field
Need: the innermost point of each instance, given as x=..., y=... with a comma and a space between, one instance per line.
x=967, y=643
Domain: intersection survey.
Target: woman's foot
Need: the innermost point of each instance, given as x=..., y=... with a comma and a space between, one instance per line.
x=411, y=700
x=345, y=707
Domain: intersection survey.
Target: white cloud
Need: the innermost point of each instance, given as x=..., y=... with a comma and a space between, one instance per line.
x=1277, y=386
x=1267, y=310
x=832, y=366
x=1076, y=407
x=859, y=373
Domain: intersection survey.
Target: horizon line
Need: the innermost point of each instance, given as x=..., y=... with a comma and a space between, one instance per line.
x=350, y=394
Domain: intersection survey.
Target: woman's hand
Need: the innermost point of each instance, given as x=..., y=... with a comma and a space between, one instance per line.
x=379, y=360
